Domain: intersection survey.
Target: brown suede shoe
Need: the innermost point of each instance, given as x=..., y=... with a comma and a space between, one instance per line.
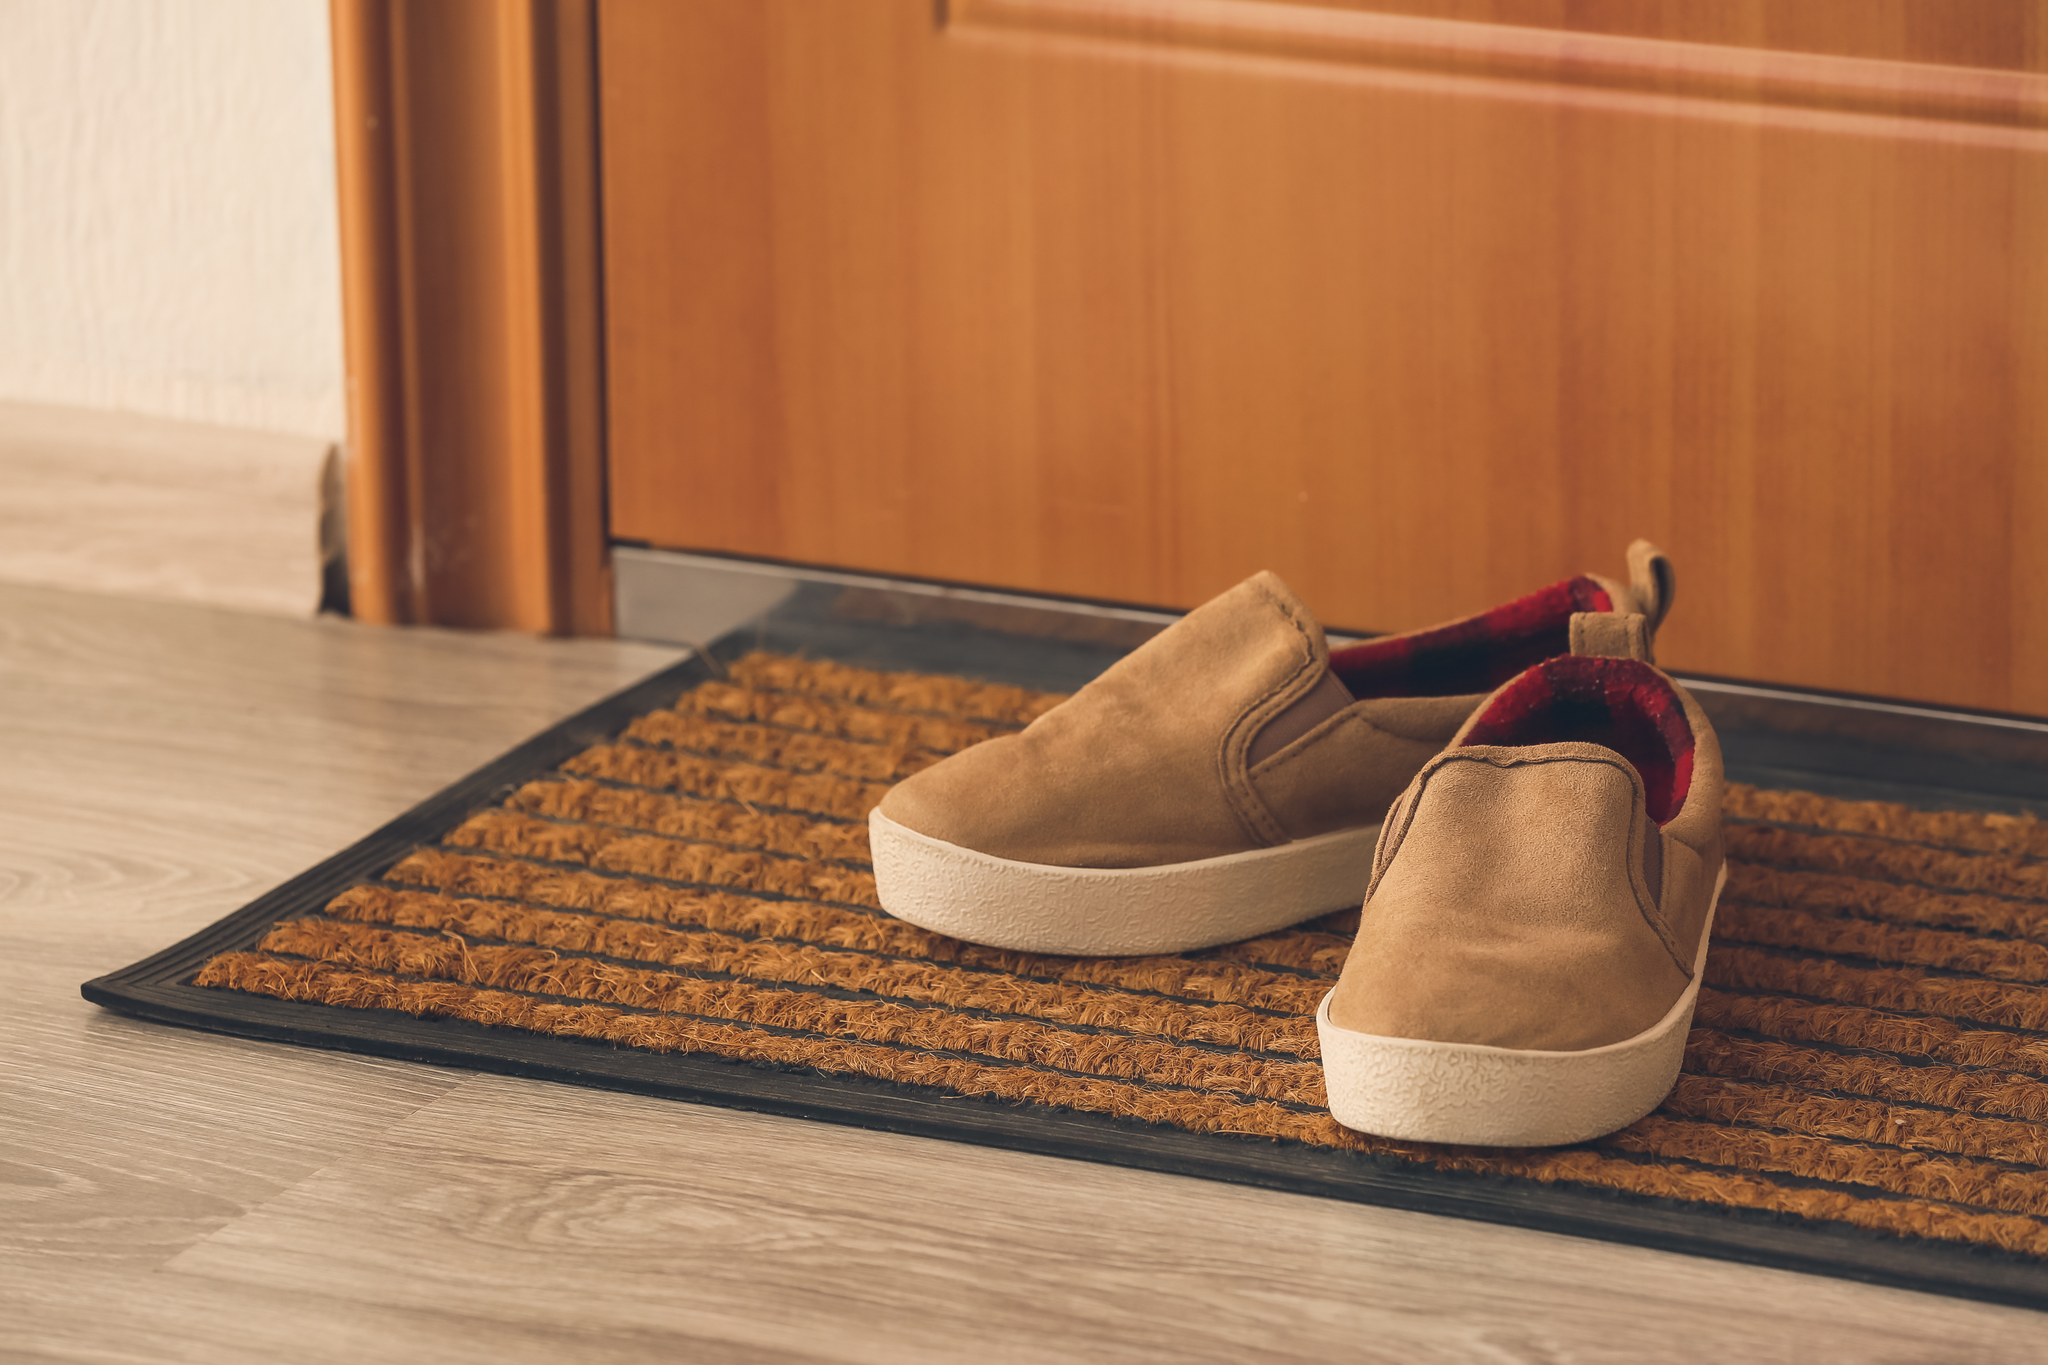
x=1531, y=945
x=1224, y=780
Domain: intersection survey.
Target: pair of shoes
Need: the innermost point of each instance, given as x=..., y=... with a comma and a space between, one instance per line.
x=1536, y=902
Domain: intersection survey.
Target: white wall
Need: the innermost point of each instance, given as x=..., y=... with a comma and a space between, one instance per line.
x=167, y=210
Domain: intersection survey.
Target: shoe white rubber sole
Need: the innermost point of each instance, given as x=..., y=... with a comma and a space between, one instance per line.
x=1481, y=1096
x=1115, y=911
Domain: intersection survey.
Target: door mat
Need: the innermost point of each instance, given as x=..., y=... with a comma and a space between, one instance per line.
x=671, y=894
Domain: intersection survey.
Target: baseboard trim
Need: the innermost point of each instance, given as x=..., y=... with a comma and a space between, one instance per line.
x=139, y=506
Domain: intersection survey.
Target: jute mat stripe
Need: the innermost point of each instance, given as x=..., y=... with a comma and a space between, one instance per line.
x=1217, y=982
x=1871, y=1046
x=1864, y=898
x=1998, y=1186
x=1093, y=1005
x=2022, y=835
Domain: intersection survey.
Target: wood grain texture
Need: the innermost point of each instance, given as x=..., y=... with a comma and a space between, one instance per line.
x=711, y=1226
x=1599, y=62
x=176, y=1196
x=164, y=764
x=1112, y=306
x=130, y=727
x=467, y=152
x=1985, y=34
x=122, y=1143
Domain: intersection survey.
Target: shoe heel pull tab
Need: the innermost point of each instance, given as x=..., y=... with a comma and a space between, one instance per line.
x=1612, y=635
x=1653, y=580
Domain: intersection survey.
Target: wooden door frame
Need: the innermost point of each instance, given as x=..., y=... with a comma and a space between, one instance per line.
x=467, y=145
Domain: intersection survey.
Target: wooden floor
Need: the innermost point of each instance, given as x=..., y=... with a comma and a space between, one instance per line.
x=171, y=1195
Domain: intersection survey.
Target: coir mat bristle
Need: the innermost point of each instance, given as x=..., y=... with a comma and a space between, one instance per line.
x=1870, y=1053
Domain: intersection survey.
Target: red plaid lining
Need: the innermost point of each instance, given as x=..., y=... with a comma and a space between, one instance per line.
x=1623, y=704
x=1476, y=654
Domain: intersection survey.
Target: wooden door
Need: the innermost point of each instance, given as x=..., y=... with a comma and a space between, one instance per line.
x=1420, y=303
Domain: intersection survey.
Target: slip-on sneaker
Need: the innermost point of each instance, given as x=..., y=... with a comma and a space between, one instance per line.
x=1226, y=779
x=1531, y=944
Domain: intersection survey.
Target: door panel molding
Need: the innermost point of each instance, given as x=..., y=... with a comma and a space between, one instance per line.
x=467, y=149
x=1616, y=71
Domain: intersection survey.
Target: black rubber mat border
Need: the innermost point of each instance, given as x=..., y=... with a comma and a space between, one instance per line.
x=159, y=988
